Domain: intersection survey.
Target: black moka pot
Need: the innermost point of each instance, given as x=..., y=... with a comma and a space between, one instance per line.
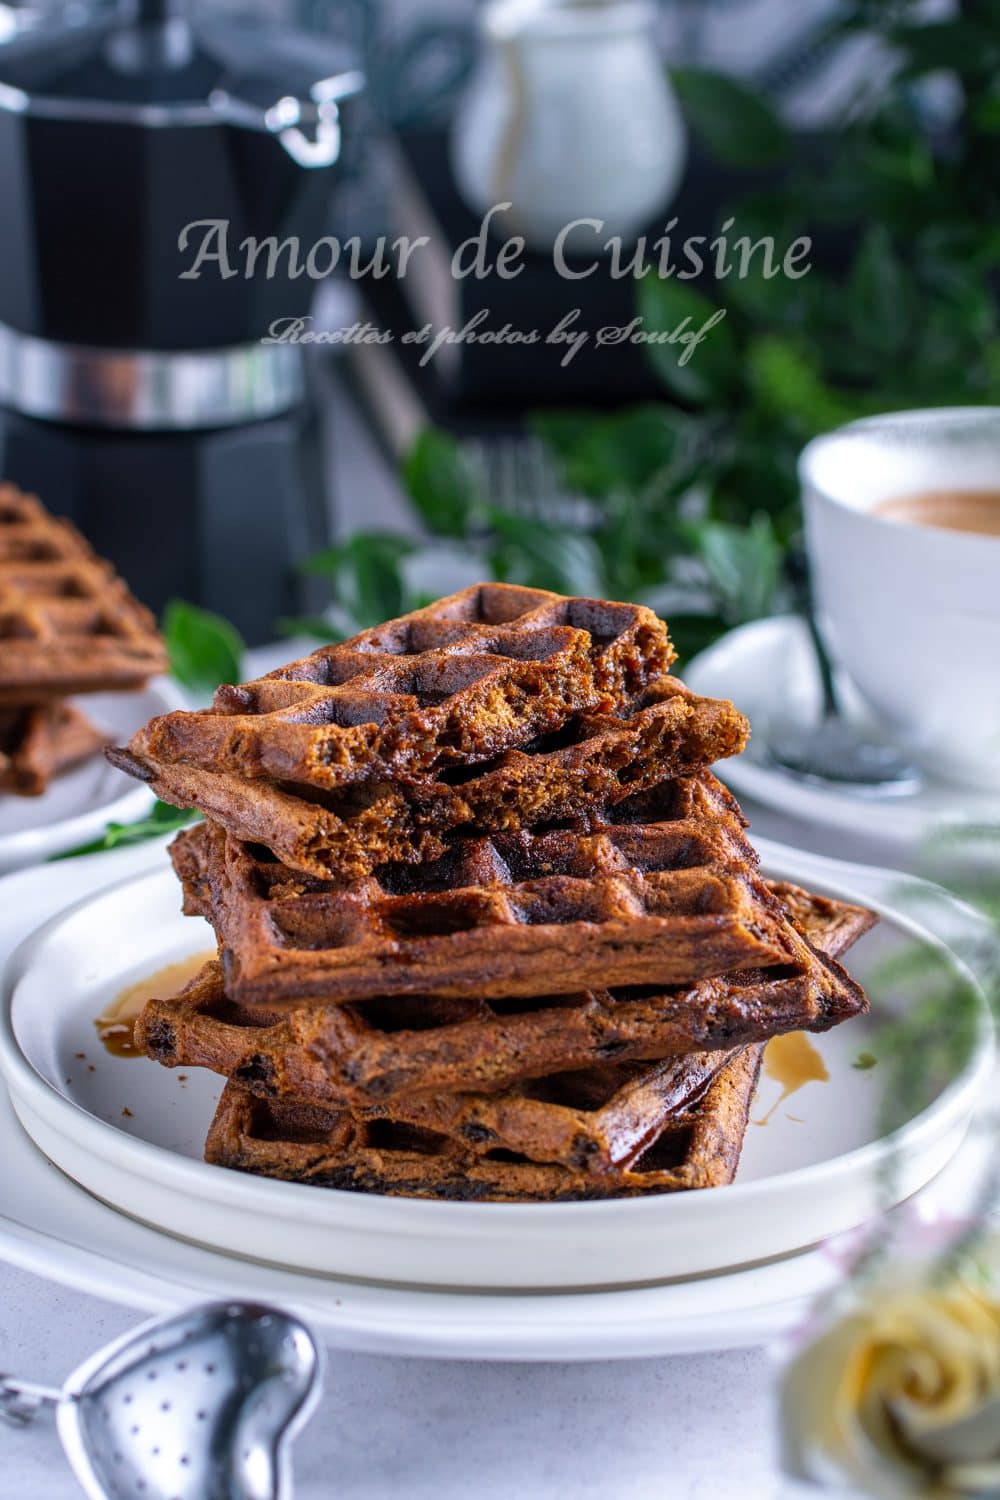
x=137, y=399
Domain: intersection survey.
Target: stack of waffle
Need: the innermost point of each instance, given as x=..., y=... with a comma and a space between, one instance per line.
x=488, y=926
x=68, y=625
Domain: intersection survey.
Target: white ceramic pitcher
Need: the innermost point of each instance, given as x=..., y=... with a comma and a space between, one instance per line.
x=569, y=115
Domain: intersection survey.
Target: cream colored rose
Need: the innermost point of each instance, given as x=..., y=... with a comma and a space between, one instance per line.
x=902, y=1396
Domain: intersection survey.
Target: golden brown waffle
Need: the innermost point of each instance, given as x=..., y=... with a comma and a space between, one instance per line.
x=39, y=742
x=68, y=623
x=377, y=1050
x=664, y=891
x=594, y=761
x=618, y=1131
x=475, y=674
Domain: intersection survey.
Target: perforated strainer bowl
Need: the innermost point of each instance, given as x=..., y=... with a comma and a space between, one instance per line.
x=201, y=1406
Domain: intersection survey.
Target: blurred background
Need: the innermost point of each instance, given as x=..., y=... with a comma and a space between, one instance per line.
x=316, y=489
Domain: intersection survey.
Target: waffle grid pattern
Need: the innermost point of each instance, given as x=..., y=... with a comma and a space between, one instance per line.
x=462, y=680
x=670, y=899
x=593, y=762
x=68, y=623
x=487, y=925
x=380, y=1050
x=691, y=1136
x=618, y=1130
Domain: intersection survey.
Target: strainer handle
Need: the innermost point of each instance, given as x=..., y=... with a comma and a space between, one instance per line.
x=21, y=1400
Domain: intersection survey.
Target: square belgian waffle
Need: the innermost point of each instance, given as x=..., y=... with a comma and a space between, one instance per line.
x=664, y=891
x=68, y=623
x=619, y=1129
x=377, y=1050
x=39, y=741
x=462, y=680
x=628, y=1129
x=592, y=762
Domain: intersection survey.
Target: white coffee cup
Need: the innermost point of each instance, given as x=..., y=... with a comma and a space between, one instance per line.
x=912, y=612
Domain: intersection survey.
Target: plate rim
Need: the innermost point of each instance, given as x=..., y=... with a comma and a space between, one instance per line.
x=489, y=1335
x=76, y=1240
x=201, y=1179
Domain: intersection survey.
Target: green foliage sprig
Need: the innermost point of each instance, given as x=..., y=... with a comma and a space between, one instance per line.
x=931, y=1035
x=931, y=1038
x=163, y=819
x=203, y=648
x=695, y=498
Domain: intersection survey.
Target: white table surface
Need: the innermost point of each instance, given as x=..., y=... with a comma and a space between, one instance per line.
x=698, y=1427
x=687, y=1428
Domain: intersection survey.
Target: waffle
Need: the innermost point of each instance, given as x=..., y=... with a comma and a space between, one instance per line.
x=462, y=680
x=636, y=1129
x=594, y=761
x=38, y=742
x=68, y=623
x=378, y=1050
x=664, y=891
x=620, y=1129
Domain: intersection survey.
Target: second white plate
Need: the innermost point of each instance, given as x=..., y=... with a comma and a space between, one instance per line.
x=132, y=1133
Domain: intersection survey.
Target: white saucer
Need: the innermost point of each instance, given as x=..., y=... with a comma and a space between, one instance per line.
x=132, y=1133
x=78, y=806
x=768, y=668
x=51, y=1226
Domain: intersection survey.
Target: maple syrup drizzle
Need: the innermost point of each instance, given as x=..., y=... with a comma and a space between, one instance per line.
x=116, y=1023
x=792, y=1061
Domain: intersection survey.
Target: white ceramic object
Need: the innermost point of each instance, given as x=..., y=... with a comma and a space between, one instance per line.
x=53, y=1228
x=768, y=668
x=912, y=613
x=570, y=115
x=132, y=1134
x=78, y=806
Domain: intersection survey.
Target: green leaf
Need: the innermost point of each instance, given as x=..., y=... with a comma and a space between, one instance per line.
x=787, y=382
x=540, y=555
x=963, y=44
x=743, y=565
x=698, y=372
x=986, y=114
x=626, y=450
x=366, y=575
x=738, y=126
x=163, y=819
x=864, y=1061
x=879, y=300
x=204, y=649
x=564, y=432
x=442, y=482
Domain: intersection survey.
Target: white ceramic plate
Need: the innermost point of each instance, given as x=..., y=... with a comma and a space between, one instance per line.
x=79, y=805
x=52, y=1227
x=769, y=670
x=132, y=1133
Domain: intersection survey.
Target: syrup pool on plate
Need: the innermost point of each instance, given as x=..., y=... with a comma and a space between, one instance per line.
x=792, y=1061
x=116, y=1023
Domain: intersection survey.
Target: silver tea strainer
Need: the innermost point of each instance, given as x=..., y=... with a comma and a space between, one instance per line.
x=200, y=1406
